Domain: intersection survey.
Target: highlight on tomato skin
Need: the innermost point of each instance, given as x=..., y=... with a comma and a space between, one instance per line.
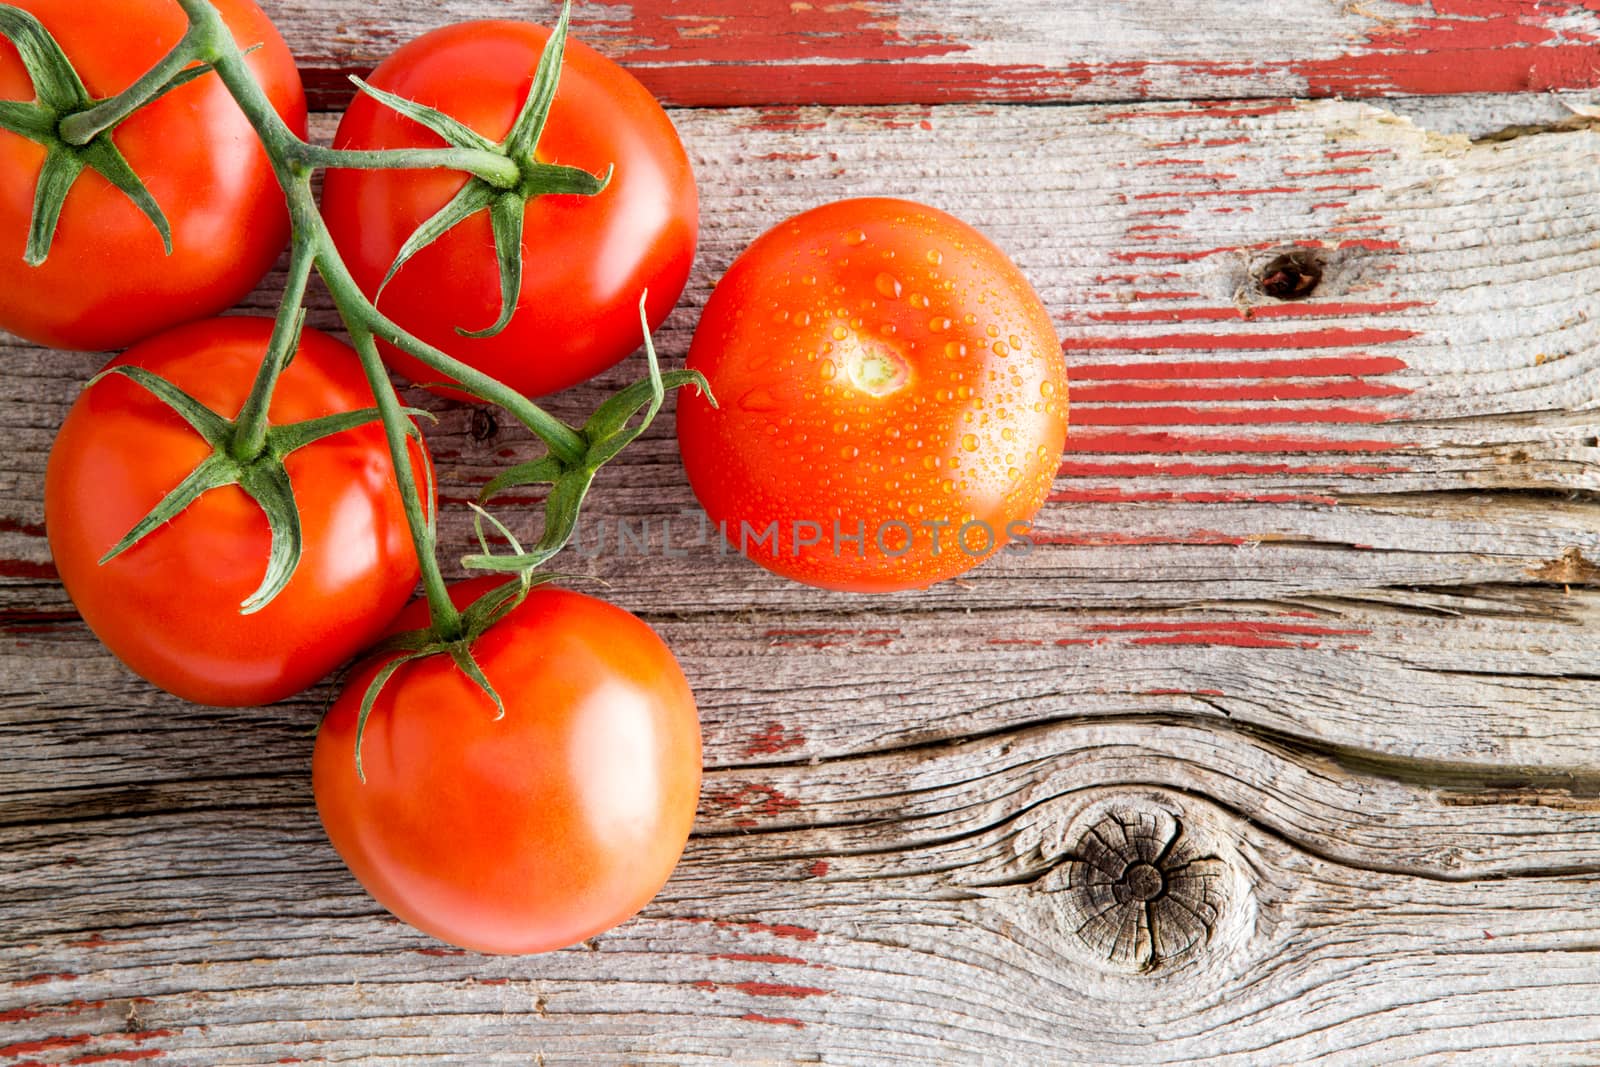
x=892, y=398
x=586, y=259
x=108, y=281
x=169, y=607
x=530, y=831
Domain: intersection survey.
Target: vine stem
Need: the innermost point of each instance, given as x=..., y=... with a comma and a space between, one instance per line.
x=85, y=126
x=250, y=428
x=293, y=161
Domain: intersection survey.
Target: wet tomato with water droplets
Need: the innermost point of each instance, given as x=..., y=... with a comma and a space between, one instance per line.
x=893, y=398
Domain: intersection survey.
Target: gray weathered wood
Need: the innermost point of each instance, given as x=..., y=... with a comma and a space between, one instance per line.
x=1333, y=681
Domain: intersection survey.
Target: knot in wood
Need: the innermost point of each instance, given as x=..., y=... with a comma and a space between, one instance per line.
x=1292, y=276
x=484, y=424
x=1139, y=892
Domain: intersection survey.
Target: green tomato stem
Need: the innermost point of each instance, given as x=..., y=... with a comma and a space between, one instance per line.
x=496, y=169
x=250, y=432
x=442, y=611
x=85, y=126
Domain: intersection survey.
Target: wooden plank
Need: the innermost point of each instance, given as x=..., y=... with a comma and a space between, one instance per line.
x=1408, y=423
x=778, y=52
x=1332, y=676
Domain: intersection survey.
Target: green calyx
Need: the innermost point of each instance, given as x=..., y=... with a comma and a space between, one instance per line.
x=505, y=198
x=609, y=430
x=75, y=129
x=262, y=476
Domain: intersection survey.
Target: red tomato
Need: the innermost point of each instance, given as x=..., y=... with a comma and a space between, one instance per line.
x=530, y=831
x=169, y=606
x=108, y=281
x=586, y=259
x=893, y=398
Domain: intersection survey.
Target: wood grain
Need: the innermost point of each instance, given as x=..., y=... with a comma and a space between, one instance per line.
x=1277, y=748
x=722, y=53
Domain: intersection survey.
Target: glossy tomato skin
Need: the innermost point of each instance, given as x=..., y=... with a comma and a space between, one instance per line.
x=108, y=281
x=885, y=374
x=587, y=259
x=535, y=830
x=169, y=606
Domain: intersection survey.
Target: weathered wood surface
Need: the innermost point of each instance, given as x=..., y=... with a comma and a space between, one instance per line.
x=723, y=53
x=1306, y=655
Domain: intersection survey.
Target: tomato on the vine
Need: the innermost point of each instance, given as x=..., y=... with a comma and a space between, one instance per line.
x=169, y=607
x=893, y=398
x=526, y=831
x=586, y=259
x=108, y=281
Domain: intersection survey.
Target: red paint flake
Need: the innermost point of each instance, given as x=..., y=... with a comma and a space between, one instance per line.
x=774, y=989
x=1326, y=172
x=1201, y=176
x=774, y=738
x=1191, y=193
x=794, y=933
x=1331, y=309
x=1169, y=161
x=1336, y=389
x=1195, y=537
x=818, y=869
x=1067, y=642
x=1013, y=641
x=774, y=1020
x=752, y=798
x=1191, y=416
x=751, y=957
x=1480, y=46
x=441, y=951
x=790, y=157
x=95, y=941
x=1316, y=367
x=41, y=979
x=705, y=984
x=1079, y=469
x=491, y=981
x=1152, y=227
x=1227, y=640
x=1223, y=142
x=1329, y=337
x=1330, y=205
x=49, y=1044
x=1176, y=442
x=1218, y=110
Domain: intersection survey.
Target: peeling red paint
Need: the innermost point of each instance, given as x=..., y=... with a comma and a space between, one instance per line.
x=819, y=869
x=1462, y=46
x=49, y=1044
x=132, y=1056
x=754, y=799
x=775, y=989
x=1315, y=367
x=94, y=941
x=41, y=979
x=794, y=933
x=1329, y=337
x=1336, y=389
x=25, y=568
x=1193, y=416
x=750, y=957
x=774, y=1020
x=1178, y=442
x=1331, y=309
x=775, y=737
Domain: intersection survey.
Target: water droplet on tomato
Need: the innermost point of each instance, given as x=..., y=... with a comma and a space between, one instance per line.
x=969, y=443
x=935, y=256
x=855, y=237
x=939, y=324
x=887, y=285
x=955, y=349
x=758, y=399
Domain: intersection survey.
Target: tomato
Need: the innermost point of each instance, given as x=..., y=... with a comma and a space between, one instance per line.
x=529, y=831
x=586, y=259
x=108, y=282
x=169, y=606
x=893, y=398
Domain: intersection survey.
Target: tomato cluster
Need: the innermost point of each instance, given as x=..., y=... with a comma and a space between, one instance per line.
x=238, y=505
